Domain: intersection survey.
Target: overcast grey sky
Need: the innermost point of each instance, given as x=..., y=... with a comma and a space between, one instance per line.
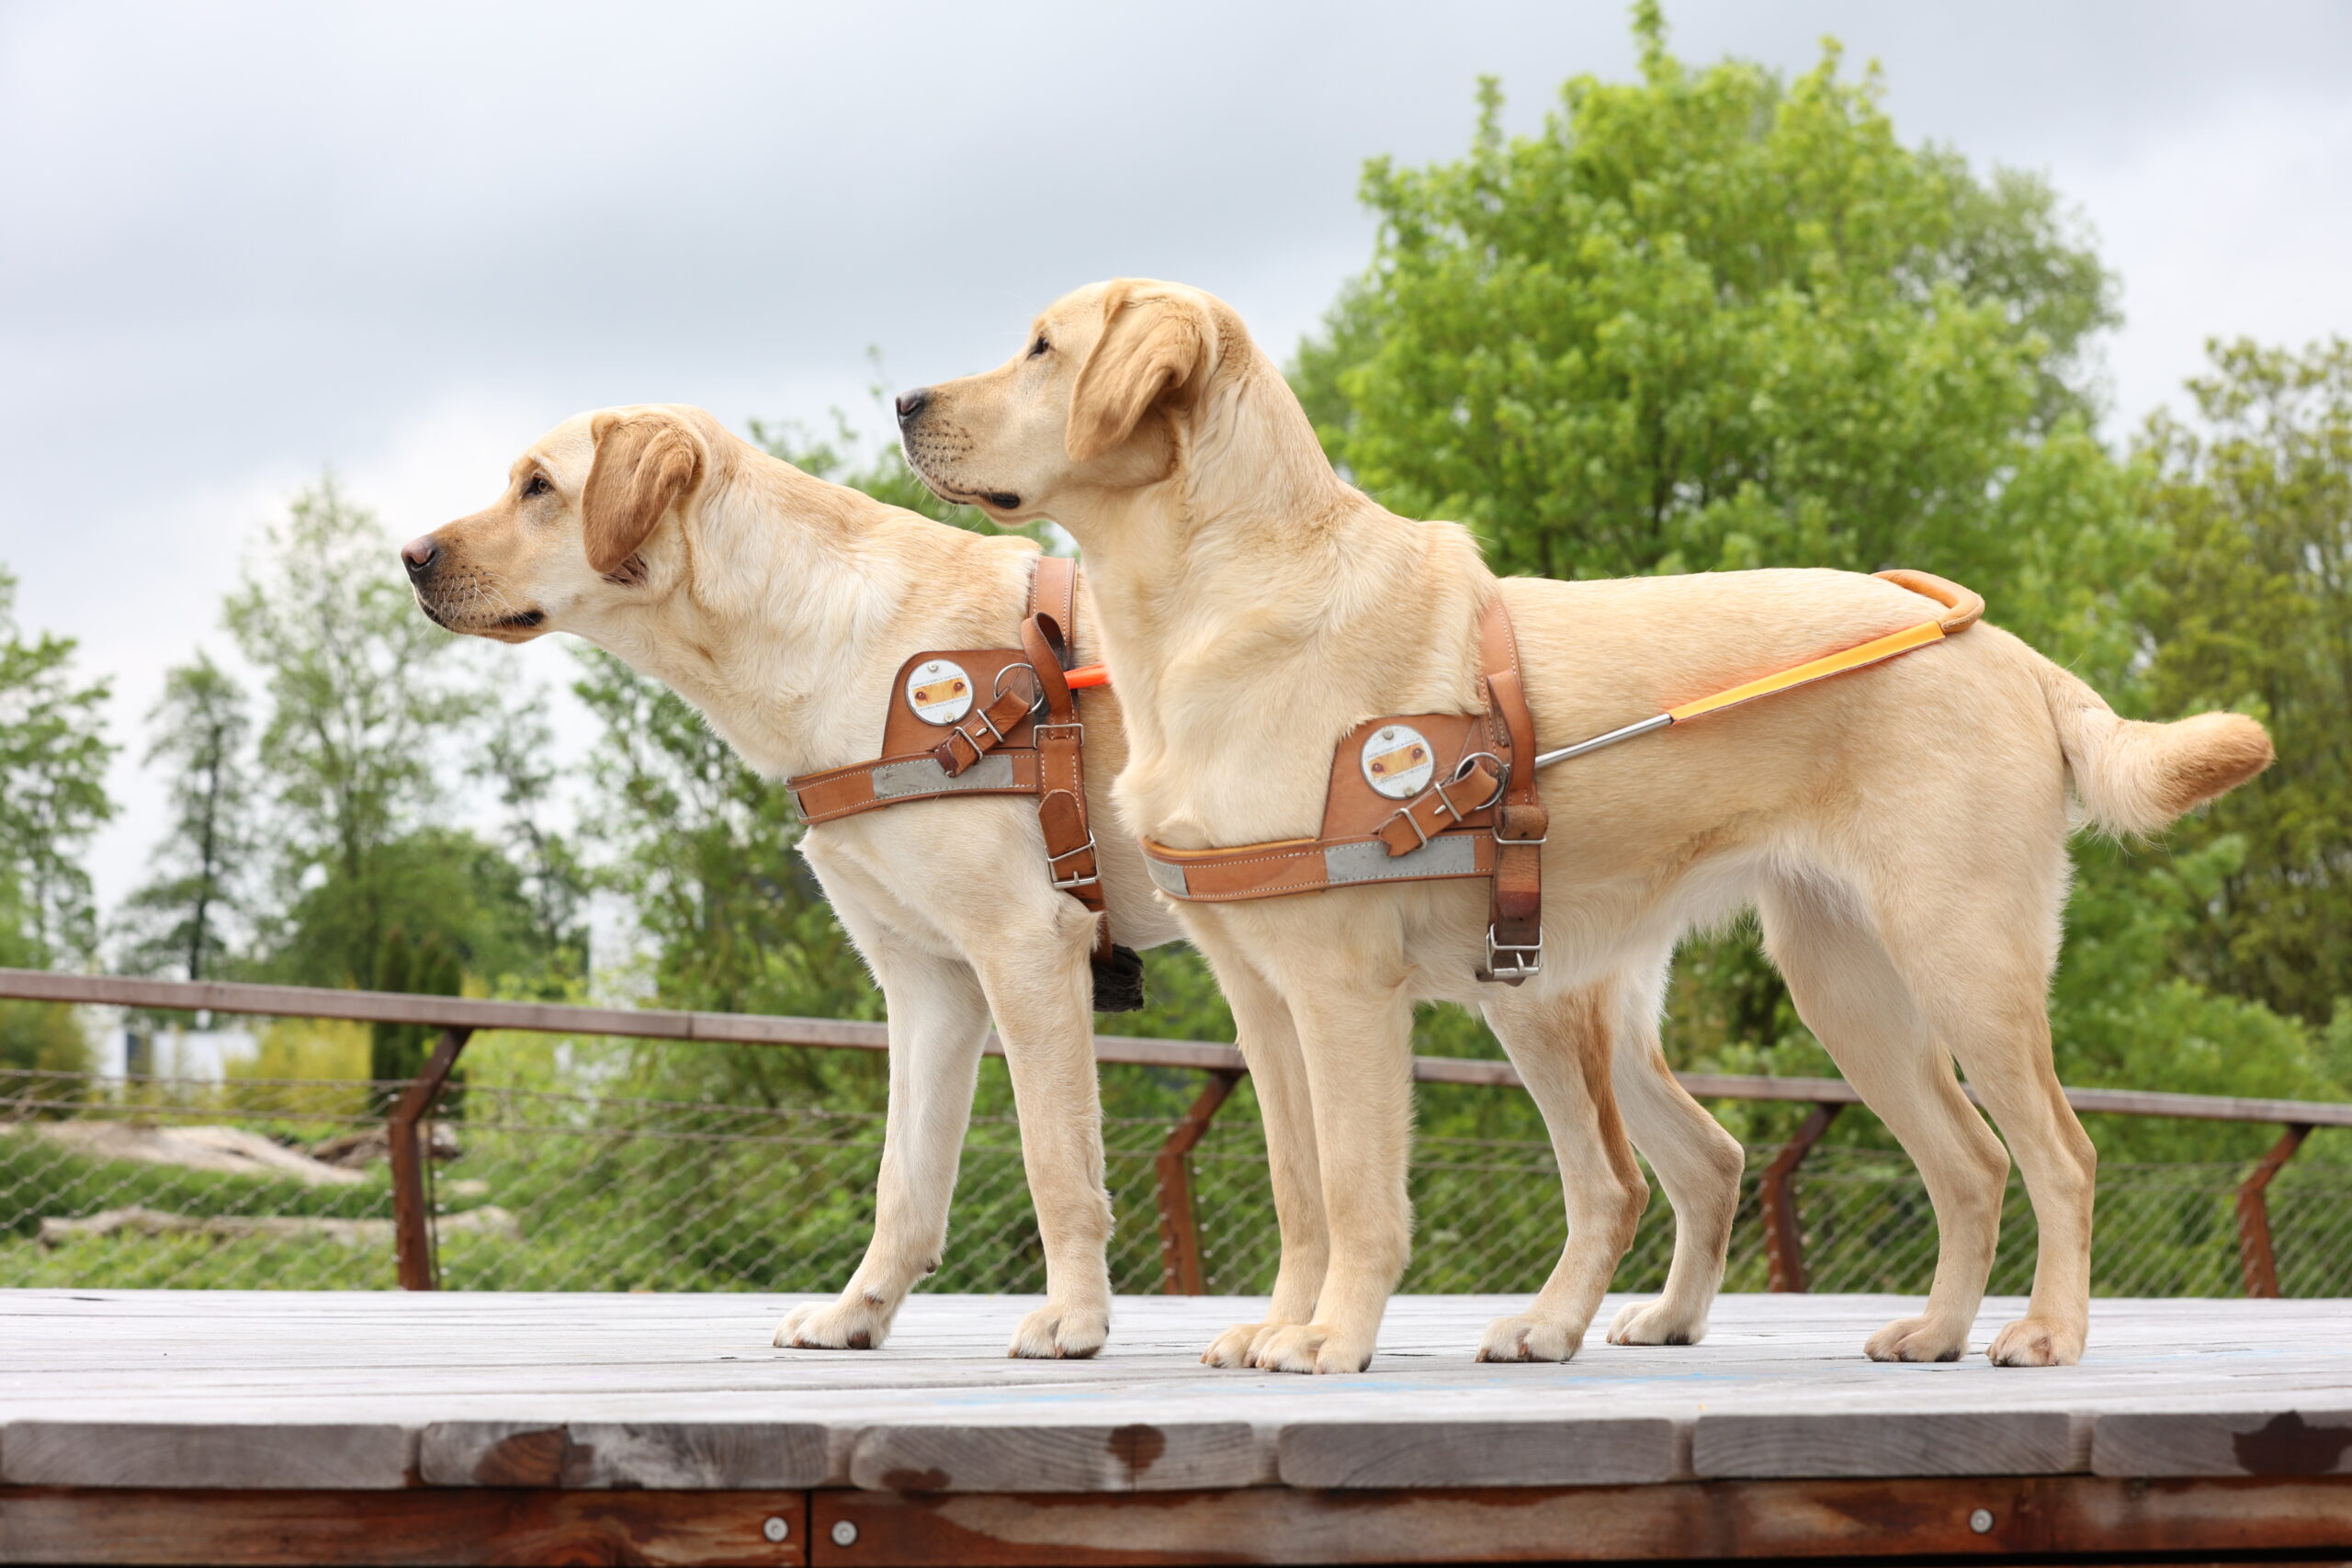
x=242, y=241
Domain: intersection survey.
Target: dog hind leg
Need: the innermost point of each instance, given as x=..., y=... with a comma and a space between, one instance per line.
x=1698, y=1163
x=1849, y=993
x=1984, y=979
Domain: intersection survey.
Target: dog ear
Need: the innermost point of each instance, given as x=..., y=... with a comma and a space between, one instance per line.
x=645, y=464
x=1151, y=346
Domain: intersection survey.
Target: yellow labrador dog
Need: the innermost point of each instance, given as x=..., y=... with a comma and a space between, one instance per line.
x=1902, y=830
x=783, y=607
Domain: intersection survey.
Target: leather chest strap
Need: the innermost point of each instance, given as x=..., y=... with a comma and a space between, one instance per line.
x=862, y=786
x=1515, y=928
x=1060, y=739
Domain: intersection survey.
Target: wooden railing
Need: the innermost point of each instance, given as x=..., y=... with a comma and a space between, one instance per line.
x=458, y=1018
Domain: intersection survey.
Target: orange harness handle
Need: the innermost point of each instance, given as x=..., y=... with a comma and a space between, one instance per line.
x=1963, y=608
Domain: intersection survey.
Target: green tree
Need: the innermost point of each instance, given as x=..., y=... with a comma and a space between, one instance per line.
x=201, y=731
x=553, y=883
x=397, y=1052
x=1716, y=318
x=2251, y=607
x=54, y=757
x=365, y=696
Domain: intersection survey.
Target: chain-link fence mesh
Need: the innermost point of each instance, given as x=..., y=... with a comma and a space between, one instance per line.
x=283, y=1184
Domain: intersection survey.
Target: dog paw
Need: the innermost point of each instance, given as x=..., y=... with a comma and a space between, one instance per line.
x=1060, y=1334
x=1530, y=1339
x=1310, y=1348
x=1652, y=1322
x=1238, y=1346
x=856, y=1322
x=1917, y=1340
x=2037, y=1342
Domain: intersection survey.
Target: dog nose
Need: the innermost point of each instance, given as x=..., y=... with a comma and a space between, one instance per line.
x=419, y=554
x=913, y=403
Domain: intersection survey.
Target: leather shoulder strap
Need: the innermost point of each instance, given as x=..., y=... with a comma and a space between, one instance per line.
x=1515, y=929
x=1054, y=592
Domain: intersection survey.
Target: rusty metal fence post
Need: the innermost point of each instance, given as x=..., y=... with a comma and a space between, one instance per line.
x=1180, y=1236
x=419, y=1270
x=2254, y=1255
x=1783, y=1240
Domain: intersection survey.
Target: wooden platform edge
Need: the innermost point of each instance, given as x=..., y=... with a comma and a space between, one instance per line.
x=2020, y=1519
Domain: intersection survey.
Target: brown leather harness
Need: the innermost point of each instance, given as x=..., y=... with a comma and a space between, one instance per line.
x=988, y=721
x=1416, y=797
x=1468, y=788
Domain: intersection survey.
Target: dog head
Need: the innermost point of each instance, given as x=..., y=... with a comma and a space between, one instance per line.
x=580, y=529
x=1108, y=393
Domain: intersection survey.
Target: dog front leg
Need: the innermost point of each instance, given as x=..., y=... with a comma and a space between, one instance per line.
x=1356, y=1039
x=1046, y=1016
x=938, y=1019
x=1560, y=1044
x=1269, y=1043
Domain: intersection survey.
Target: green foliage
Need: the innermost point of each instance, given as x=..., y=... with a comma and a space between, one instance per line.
x=1717, y=318
x=428, y=967
x=42, y=1037
x=2252, y=608
x=53, y=756
x=365, y=695
x=201, y=731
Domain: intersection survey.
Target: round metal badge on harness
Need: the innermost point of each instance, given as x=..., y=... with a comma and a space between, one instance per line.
x=939, y=691
x=1399, y=761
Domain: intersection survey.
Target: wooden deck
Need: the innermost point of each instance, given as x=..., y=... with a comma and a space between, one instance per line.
x=188, y=1427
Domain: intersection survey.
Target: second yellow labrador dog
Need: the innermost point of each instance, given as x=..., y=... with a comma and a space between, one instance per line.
x=1903, y=830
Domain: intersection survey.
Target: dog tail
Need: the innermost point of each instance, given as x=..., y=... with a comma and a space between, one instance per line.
x=2135, y=778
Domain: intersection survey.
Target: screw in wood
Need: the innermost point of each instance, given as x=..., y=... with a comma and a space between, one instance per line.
x=775, y=1528
x=1981, y=1521
x=844, y=1533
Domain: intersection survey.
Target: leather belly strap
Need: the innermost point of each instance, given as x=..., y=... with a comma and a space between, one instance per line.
x=990, y=721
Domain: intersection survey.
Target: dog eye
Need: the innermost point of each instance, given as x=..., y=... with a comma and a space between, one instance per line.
x=1039, y=347
x=538, y=486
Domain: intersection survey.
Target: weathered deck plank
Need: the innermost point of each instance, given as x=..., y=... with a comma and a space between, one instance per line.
x=229, y=1390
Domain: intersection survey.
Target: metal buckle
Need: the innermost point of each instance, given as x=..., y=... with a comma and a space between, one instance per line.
x=1545, y=839
x=1406, y=813
x=1057, y=728
x=1462, y=772
x=1064, y=885
x=1526, y=962
x=996, y=687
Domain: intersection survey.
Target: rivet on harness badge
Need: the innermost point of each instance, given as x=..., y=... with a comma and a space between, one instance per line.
x=939, y=691
x=1397, y=761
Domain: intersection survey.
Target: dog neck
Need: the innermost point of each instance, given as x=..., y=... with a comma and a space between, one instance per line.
x=795, y=602
x=1254, y=586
